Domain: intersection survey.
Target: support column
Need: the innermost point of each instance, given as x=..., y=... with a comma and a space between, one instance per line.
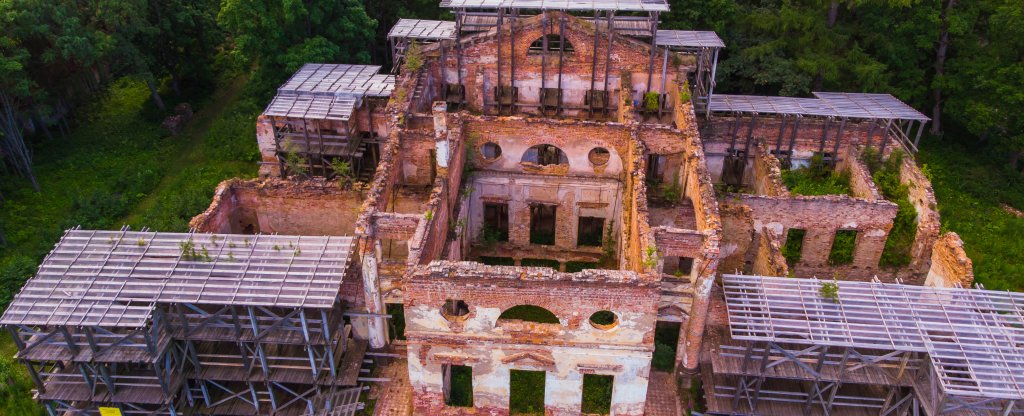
x=693, y=335
x=377, y=327
x=441, y=144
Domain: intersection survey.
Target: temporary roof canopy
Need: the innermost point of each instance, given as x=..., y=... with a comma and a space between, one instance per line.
x=311, y=107
x=974, y=338
x=620, y=5
x=115, y=278
x=339, y=80
x=852, y=105
x=329, y=91
x=688, y=39
x=423, y=29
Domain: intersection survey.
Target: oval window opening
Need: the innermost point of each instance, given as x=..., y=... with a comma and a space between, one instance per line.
x=604, y=320
x=545, y=154
x=599, y=156
x=490, y=151
x=454, y=309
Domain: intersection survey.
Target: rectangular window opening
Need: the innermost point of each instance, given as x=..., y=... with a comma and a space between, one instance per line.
x=526, y=390
x=590, y=232
x=842, y=247
x=397, y=321
x=666, y=340
x=495, y=222
x=554, y=264
x=542, y=224
x=654, y=163
x=678, y=266
x=458, y=385
x=597, y=394
x=794, y=245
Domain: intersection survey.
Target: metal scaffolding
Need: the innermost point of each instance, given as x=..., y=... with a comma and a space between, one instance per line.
x=153, y=323
x=890, y=347
x=705, y=46
x=884, y=113
x=312, y=116
x=406, y=31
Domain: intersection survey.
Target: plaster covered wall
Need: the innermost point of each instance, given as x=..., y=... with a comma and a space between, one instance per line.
x=565, y=350
x=574, y=197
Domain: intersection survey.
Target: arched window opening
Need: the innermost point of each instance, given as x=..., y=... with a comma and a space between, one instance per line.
x=529, y=313
x=545, y=154
x=555, y=43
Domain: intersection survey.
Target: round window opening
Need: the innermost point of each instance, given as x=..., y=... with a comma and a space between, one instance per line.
x=490, y=151
x=604, y=320
x=599, y=156
x=455, y=310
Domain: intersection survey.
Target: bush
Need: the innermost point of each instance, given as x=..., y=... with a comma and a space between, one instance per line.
x=842, y=247
x=651, y=101
x=904, y=227
x=817, y=178
x=794, y=246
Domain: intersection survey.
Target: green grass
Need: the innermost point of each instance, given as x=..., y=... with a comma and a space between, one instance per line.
x=529, y=313
x=971, y=182
x=817, y=178
x=597, y=394
x=116, y=167
x=527, y=392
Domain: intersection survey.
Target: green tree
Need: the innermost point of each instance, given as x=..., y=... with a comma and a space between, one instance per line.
x=278, y=34
x=986, y=75
x=14, y=83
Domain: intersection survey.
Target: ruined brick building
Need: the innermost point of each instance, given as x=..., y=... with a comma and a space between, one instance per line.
x=539, y=188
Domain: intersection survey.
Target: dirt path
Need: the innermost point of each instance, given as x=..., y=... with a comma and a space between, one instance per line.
x=193, y=135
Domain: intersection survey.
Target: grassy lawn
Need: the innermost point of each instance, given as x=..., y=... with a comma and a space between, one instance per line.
x=971, y=189
x=119, y=167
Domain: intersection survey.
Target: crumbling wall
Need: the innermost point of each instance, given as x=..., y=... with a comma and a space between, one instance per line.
x=950, y=265
x=738, y=236
x=922, y=197
x=769, y=260
x=671, y=145
x=416, y=157
x=575, y=197
x=310, y=207
x=565, y=351
x=699, y=189
x=821, y=217
x=480, y=53
x=576, y=139
x=861, y=184
x=718, y=133
x=767, y=173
